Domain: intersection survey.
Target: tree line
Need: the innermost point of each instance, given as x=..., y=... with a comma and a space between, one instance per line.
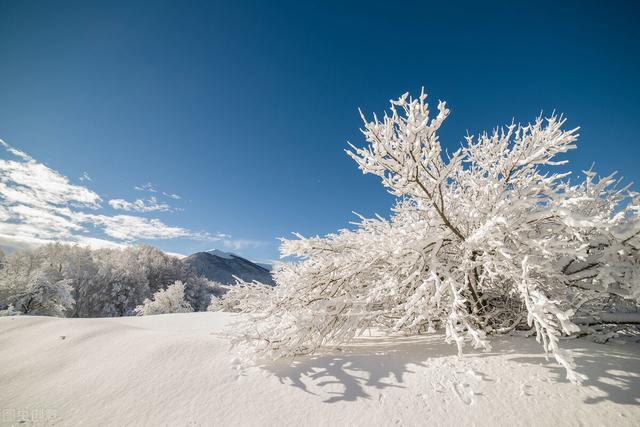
x=74, y=281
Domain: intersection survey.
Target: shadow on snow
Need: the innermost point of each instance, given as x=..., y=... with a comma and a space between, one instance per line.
x=379, y=363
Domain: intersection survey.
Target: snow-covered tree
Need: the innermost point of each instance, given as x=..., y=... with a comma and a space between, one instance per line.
x=200, y=291
x=104, y=282
x=481, y=241
x=170, y=300
x=243, y=297
x=34, y=287
x=42, y=296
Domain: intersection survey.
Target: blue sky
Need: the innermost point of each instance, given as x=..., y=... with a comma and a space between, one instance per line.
x=243, y=109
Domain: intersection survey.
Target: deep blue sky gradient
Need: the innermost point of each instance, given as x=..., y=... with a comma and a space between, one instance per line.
x=244, y=108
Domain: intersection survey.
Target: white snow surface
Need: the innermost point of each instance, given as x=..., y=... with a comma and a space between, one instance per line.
x=178, y=370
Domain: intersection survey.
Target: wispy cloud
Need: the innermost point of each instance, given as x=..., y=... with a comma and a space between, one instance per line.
x=146, y=187
x=151, y=188
x=38, y=205
x=131, y=228
x=172, y=196
x=85, y=177
x=140, y=205
x=16, y=152
x=241, y=244
x=30, y=183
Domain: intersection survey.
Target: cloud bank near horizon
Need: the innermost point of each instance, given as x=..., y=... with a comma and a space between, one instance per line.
x=40, y=205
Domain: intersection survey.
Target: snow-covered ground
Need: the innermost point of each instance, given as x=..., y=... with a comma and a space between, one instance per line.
x=176, y=370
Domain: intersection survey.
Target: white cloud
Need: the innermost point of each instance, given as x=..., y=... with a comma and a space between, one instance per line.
x=15, y=241
x=140, y=205
x=30, y=182
x=150, y=188
x=40, y=205
x=85, y=177
x=172, y=196
x=146, y=187
x=129, y=228
x=240, y=244
x=16, y=152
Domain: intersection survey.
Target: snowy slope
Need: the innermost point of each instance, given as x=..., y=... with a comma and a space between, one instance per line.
x=177, y=370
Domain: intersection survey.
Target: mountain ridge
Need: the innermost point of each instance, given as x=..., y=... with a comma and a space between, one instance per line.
x=222, y=266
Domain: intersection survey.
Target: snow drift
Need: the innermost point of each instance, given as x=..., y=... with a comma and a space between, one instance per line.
x=176, y=369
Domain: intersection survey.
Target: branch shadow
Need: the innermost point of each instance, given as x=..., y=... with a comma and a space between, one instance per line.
x=352, y=372
x=372, y=363
x=613, y=375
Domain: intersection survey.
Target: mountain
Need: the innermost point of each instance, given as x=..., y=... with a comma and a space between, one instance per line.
x=265, y=266
x=222, y=266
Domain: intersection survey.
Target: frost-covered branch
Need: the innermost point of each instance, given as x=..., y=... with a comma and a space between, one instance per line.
x=491, y=238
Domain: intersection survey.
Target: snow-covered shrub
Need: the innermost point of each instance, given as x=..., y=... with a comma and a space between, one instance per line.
x=34, y=287
x=9, y=311
x=243, y=297
x=481, y=241
x=42, y=296
x=200, y=291
x=170, y=300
